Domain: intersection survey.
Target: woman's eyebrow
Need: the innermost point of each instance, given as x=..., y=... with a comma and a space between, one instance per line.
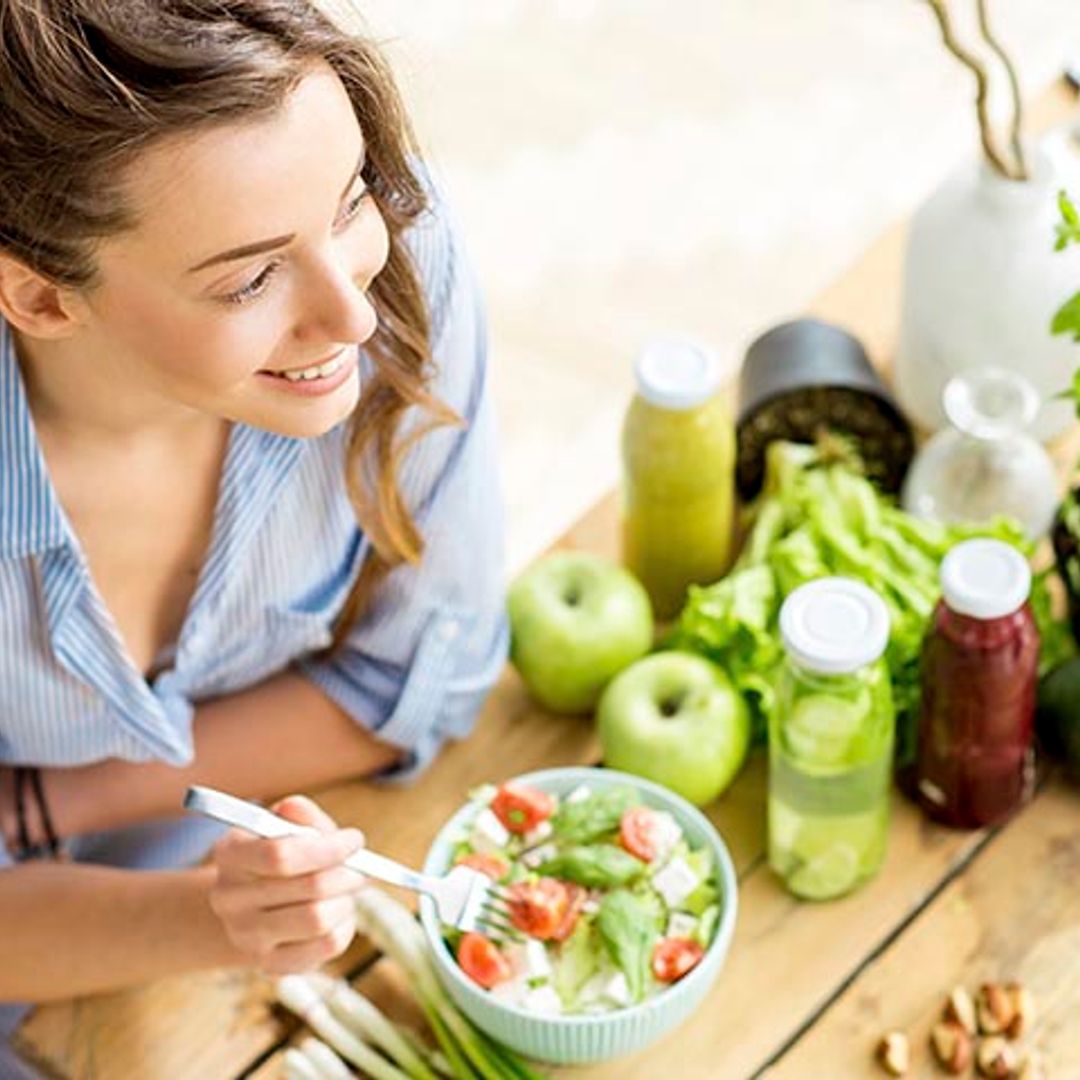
x=261, y=246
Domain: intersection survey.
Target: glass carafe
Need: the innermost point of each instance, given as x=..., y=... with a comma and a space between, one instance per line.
x=986, y=463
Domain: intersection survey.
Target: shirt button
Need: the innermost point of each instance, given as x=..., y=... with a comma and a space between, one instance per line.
x=450, y=629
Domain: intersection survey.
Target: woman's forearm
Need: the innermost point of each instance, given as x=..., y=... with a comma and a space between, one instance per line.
x=74, y=929
x=281, y=736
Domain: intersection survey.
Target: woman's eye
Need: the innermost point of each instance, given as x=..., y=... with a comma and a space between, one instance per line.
x=352, y=207
x=255, y=286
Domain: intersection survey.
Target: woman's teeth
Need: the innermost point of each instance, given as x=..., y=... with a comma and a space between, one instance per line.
x=318, y=371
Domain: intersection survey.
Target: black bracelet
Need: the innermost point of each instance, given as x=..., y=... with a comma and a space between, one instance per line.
x=51, y=841
x=26, y=849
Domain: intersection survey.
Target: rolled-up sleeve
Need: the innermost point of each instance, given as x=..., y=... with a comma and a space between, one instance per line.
x=420, y=662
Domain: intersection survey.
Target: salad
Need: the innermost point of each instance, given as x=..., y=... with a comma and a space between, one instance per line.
x=611, y=902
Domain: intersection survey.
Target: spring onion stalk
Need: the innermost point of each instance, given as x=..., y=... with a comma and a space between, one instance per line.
x=370, y=1024
x=298, y=1066
x=297, y=995
x=394, y=930
x=330, y=1066
x=435, y=1058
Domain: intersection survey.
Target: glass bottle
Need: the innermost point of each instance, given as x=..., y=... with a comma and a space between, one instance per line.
x=986, y=463
x=831, y=740
x=678, y=447
x=975, y=760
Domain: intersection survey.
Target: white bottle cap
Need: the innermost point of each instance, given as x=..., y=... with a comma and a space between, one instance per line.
x=834, y=625
x=985, y=579
x=675, y=374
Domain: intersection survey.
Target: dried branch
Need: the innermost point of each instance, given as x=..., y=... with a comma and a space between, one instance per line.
x=1014, y=86
x=982, y=82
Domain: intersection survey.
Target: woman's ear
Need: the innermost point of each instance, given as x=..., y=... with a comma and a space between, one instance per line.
x=33, y=304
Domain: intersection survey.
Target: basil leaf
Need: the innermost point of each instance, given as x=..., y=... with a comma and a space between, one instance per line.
x=628, y=929
x=596, y=866
x=585, y=820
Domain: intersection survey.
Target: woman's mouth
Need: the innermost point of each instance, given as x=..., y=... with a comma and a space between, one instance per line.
x=318, y=378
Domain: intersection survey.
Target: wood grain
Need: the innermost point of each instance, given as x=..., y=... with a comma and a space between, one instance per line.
x=1014, y=915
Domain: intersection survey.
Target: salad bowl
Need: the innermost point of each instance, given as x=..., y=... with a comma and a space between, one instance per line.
x=582, y=1037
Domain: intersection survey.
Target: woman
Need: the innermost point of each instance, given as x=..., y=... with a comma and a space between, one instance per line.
x=249, y=529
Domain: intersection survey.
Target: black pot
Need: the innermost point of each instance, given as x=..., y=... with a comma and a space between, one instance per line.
x=807, y=376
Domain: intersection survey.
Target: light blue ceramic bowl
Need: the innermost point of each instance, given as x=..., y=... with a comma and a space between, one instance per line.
x=570, y=1040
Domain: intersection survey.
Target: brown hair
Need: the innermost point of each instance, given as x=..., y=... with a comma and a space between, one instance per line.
x=85, y=85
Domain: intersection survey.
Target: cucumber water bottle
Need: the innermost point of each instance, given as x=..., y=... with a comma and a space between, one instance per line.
x=831, y=740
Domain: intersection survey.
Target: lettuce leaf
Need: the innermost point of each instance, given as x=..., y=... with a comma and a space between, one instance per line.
x=817, y=518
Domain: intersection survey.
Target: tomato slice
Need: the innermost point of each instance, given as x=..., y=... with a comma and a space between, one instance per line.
x=539, y=908
x=637, y=833
x=673, y=957
x=576, y=897
x=482, y=961
x=521, y=808
x=492, y=865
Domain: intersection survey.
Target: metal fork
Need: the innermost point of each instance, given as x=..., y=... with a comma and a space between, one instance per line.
x=464, y=898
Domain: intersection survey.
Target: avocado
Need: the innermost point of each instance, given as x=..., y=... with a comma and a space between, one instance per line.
x=1057, y=719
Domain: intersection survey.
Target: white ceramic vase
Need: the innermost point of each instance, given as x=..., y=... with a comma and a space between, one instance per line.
x=981, y=284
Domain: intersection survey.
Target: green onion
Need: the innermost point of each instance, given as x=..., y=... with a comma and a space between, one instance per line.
x=394, y=930
x=370, y=1024
x=326, y=1062
x=297, y=995
x=298, y=1066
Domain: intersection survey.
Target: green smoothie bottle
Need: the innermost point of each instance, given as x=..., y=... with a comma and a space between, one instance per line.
x=831, y=740
x=678, y=470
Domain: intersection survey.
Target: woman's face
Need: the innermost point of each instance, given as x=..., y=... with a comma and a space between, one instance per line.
x=242, y=290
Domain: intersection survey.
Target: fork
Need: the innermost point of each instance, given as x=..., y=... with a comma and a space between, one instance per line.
x=464, y=898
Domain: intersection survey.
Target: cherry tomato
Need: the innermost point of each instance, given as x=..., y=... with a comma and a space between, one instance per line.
x=673, y=957
x=538, y=908
x=522, y=808
x=576, y=900
x=492, y=865
x=637, y=833
x=482, y=961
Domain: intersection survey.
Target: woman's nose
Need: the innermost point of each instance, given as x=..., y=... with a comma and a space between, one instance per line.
x=335, y=307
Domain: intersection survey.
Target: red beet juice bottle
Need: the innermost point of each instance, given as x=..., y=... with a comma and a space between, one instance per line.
x=975, y=758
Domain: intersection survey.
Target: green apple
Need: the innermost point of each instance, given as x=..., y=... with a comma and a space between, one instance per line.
x=675, y=718
x=576, y=620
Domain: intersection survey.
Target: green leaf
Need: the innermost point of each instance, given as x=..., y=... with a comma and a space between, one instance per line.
x=1067, y=319
x=592, y=817
x=579, y=960
x=596, y=866
x=628, y=930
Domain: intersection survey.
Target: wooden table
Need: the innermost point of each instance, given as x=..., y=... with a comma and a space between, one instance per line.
x=807, y=989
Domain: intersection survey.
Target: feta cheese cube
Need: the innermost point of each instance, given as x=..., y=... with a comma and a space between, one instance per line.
x=539, y=834
x=543, y=999
x=513, y=991
x=681, y=925
x=675, y=882
x=488, y=834
x=529, y=959
x=533, y=859
x=616, y=989
x=582, y=791
x=590, y=905
x=665, y=834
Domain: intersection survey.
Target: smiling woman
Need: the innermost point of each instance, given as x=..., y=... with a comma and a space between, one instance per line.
x=250, y=533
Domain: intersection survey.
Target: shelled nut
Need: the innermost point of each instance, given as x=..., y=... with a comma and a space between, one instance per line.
x=961, y=1008
x=1023, y=1002
x=996, y=1059
x=952, y=1046
x=994, y=1008
x=894, y=1053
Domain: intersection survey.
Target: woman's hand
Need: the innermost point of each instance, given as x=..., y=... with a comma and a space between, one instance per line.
x=287, y=904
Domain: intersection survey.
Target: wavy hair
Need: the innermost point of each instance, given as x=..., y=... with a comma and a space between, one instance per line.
x=86, y=85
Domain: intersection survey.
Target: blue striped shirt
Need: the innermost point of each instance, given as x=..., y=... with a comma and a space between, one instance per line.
x=284, y=550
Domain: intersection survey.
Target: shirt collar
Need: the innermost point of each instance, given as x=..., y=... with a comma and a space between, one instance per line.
x=31, y=518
